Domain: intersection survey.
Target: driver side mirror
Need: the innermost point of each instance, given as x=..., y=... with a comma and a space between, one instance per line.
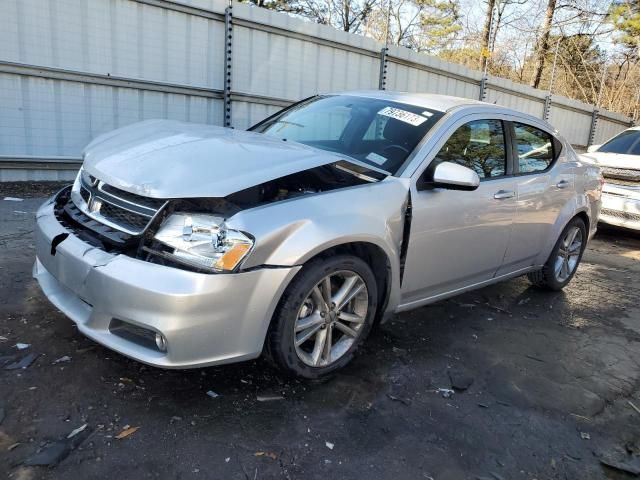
x=449, y=175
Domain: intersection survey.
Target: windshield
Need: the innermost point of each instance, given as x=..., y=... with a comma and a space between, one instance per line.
x=374, y=131
x=628, y=142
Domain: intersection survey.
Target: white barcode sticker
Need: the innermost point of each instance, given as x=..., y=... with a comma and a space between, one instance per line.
x=402, y=115
x=376, y=158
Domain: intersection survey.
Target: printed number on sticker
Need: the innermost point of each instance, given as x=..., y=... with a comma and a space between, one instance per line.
x=402, y=115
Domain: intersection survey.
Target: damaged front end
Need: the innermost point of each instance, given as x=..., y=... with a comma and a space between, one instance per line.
x=158, y=279
x=187, y=233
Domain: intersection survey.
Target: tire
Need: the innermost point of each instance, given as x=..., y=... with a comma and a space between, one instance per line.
x=300, y=306
x=549, y=277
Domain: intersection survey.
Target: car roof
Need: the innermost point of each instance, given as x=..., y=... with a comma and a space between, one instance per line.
x=432, y=101
x=442, y=103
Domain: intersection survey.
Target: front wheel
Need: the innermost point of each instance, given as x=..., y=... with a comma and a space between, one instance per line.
x=323, y=316
x=564, y=259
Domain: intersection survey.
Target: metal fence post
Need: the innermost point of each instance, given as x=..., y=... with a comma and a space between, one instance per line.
x=592, y=128
x=228, y=50
x=382, y=79
x=546, y=111
x=483, y=89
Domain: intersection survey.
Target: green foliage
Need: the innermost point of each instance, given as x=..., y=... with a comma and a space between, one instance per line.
x=625, y=17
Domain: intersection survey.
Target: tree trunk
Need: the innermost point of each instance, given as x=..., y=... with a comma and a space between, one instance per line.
x=543, y=44
x=486, y=33
x=346, y=25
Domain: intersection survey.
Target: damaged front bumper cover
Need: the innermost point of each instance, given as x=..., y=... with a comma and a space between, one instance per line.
x=204, y=319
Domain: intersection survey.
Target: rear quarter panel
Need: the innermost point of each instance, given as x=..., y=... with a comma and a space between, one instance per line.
x=585, y=199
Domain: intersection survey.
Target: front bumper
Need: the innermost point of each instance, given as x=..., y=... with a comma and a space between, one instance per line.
x=206, y=319
x=621, y=206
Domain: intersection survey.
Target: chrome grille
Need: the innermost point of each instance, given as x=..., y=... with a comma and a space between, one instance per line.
x=108, y=205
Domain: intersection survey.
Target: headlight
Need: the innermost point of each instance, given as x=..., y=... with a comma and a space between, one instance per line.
x=204, y=241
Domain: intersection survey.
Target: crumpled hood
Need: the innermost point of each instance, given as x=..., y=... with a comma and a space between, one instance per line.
x=613, y=160
x=170, y=159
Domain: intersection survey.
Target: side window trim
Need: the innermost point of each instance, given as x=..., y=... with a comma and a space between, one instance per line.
x=510, y=147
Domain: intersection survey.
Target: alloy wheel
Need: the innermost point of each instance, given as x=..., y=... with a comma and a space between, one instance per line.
x=331, y=318
x=568, y=254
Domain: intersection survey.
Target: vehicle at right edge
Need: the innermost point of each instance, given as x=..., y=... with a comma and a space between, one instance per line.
x=619, y=160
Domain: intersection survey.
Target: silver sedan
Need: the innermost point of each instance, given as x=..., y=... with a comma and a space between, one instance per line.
x=183, y=245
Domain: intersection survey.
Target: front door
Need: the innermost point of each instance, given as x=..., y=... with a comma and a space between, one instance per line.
x=459, y=238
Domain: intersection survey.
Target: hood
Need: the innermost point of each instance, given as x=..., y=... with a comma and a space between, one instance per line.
x=169, y=159
x=613, y=160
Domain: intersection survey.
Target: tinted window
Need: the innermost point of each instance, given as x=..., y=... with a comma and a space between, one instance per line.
x=375, y=131
x=478, y=145
x=635, y=150
x=622, y=143
x=535, y=148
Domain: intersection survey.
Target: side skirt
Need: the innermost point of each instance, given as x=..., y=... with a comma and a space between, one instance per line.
x=426, y=301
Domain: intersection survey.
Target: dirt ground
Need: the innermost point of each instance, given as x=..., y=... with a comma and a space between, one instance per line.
x=551, y=383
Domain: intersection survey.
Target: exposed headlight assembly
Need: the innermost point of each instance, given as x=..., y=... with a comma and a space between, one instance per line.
x=203, y=241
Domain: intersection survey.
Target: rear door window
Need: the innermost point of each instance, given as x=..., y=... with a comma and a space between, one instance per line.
x=534, y=148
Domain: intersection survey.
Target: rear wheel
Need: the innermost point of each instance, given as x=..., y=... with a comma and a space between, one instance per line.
x=564, y=259
x=323, y=316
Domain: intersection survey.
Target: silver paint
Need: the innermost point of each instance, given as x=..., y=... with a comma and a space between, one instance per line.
x=459, y=240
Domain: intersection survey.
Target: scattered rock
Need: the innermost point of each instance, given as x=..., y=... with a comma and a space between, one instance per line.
x=445, y=392
x=22, y=346
x=212, y=394
x=460, y=380
x=585, y=436
x=66, y=358
x=329, y=445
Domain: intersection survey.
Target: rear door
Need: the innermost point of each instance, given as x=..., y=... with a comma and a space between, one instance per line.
x=544, y=183
x=459, y=238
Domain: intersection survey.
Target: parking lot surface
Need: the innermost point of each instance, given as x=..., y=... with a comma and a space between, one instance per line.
x=507, y=382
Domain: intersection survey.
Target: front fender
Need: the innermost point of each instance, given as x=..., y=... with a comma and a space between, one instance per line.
x=292, y=232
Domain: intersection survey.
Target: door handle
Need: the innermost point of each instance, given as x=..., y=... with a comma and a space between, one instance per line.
x=503, y=194
x=562, y=184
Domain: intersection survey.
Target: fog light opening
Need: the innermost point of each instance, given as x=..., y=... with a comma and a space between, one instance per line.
x=161, y=342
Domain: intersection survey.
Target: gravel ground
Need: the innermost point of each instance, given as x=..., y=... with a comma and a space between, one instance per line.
x=547, y=382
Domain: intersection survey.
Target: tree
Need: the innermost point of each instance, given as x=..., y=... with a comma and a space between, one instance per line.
x=625, y=17
x=485, y=50
x=422, y=25
x=346, y=15
x=543, y=44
